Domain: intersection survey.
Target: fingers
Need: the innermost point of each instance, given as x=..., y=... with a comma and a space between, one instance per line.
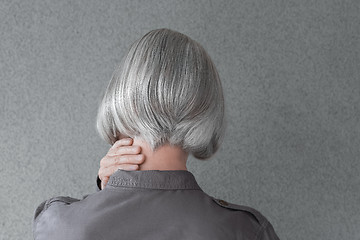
x=108, y=161
x=120, y=147
x=104, y=181
x=128, y=150
x=122, y=155
x=120, y=143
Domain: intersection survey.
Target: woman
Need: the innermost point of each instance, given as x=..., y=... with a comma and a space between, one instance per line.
x=167, y=97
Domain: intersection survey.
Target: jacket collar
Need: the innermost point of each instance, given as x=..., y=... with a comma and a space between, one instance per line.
x=153, y=179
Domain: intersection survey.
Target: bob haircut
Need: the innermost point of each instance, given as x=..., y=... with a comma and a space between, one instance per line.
x=165, y=91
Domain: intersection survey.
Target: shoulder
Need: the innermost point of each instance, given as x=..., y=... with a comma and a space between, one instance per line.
x=46, y=204
x=265, y=229
x=45, y=210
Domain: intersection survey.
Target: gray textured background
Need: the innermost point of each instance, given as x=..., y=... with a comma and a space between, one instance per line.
x=290, y=72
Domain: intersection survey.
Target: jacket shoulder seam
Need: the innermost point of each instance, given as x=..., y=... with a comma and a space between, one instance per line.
x=257, y=215
x=67, y=200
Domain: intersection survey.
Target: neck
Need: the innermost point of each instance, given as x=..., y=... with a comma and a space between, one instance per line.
x=166, y=157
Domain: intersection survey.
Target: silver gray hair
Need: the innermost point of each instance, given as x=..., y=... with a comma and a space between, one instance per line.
x=165, y=91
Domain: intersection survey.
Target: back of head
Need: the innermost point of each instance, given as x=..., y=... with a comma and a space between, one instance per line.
x=165, y=91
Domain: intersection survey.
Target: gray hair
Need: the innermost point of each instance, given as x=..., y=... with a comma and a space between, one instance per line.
x=166, y=91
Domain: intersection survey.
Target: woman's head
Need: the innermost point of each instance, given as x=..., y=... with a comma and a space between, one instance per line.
x=165, y=91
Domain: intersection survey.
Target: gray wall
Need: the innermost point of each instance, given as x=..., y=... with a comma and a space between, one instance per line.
x=290, y=71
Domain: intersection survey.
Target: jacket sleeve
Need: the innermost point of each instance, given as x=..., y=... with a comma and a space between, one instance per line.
x=268, y=233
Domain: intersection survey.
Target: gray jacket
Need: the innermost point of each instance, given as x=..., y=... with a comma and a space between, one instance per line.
x=150, y=205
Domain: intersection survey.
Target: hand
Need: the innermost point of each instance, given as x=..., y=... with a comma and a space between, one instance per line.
x=122, y=155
